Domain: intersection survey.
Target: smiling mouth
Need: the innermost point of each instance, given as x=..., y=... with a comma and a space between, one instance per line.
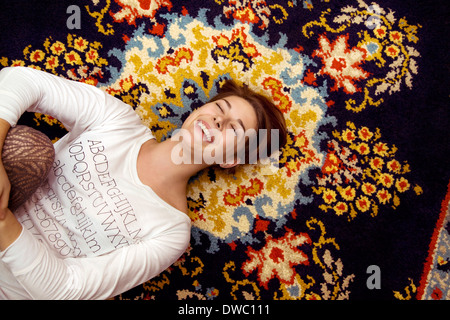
x=207, y=136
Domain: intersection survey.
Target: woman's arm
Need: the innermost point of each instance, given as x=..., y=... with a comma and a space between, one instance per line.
x=44, y=276
x=78, y=106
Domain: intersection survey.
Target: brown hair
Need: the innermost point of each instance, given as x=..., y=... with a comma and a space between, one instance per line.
x=268, y=115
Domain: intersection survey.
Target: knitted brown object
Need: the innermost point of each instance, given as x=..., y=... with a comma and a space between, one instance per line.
x=27, y=156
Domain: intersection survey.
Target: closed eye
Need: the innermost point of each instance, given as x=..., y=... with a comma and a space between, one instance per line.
x=218, y=105
x=221, y=110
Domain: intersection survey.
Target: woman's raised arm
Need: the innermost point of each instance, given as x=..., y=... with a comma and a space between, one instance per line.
x=78, y=106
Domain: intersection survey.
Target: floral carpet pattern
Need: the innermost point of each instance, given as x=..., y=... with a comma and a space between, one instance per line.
x=361, y=184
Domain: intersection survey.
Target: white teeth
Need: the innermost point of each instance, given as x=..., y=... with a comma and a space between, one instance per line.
x=205, y=131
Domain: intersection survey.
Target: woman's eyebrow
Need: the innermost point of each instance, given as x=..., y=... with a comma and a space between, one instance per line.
x=239, y=120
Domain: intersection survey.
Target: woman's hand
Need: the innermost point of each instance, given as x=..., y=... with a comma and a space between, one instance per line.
x=10, y=229
x=5, y=188
x=5, y=185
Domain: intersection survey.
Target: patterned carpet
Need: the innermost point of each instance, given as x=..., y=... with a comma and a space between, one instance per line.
x=359, y=207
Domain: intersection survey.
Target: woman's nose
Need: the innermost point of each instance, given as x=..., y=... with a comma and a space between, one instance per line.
x=218, y=122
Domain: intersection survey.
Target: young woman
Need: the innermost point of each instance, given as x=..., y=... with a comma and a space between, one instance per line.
x=111, y=212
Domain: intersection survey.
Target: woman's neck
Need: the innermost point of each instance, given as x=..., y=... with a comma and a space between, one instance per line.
x=167, y=179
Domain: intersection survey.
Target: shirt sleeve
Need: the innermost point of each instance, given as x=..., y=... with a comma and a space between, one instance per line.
x=45, y=276
x=77, y=105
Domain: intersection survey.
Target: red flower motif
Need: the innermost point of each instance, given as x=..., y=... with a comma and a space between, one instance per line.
x=341, y=63
x=277, y=258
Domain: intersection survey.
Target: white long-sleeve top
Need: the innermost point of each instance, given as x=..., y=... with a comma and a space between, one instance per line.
x=93, y=229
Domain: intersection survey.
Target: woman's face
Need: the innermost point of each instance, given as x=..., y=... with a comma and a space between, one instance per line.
x=216, y=130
